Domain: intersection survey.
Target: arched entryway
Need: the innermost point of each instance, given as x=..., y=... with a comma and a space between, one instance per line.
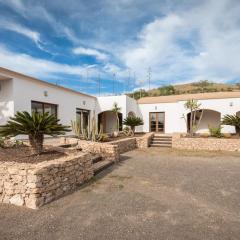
x=131, y=114
x=238, y=113
x=210, y=118
x=108, y=121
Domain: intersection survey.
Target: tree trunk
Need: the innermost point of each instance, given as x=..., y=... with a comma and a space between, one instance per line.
x=133, y=128
x=238, y=130
x=36, y=143
x=191, y=123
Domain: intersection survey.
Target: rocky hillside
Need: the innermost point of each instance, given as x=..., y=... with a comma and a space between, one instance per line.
x=197, y=87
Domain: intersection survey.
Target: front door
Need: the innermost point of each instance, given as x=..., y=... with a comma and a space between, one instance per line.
x=157, y=121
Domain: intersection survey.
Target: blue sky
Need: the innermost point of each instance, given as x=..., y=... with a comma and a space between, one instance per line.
x=76, y=42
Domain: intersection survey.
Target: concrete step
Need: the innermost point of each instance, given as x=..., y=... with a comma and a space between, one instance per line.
x=100, y=166
x=96, y=158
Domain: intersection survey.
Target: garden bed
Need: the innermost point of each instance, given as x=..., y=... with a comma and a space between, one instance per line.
x=22, y=154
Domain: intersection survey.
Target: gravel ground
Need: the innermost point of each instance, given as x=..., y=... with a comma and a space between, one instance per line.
x=152, y=194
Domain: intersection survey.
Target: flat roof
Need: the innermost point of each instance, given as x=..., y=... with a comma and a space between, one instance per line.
x=185, y=97
x=12, y=74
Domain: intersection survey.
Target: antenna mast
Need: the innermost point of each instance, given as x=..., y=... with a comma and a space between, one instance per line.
x=149, y=75
x=114, y=75
x=99, y=85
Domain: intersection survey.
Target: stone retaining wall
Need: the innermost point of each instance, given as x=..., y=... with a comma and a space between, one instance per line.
x=33, y=185
x=210, y=144
x=125, y=145
x=107, y=151
x=144, y=141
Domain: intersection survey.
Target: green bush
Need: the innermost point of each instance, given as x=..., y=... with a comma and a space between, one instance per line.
x=232, y=120
x=132, y=122
x=215, y=131
x=35, y=126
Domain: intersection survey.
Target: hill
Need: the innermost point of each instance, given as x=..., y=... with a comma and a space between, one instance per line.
x=196, y=87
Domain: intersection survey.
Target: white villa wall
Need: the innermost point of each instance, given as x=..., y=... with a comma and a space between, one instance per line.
x=126, y=104
x=174, y=122
x=106, y=104
x=173, y=116
x=17, y=94
x=25, y=91
x=6, y=100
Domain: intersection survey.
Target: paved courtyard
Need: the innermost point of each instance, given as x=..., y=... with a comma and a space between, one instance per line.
x=152, y=194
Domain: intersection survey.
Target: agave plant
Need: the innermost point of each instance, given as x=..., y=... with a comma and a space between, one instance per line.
x=132, y=122
x=35, y=126
x=232, y=120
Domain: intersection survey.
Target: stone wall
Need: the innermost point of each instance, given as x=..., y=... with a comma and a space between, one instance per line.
x=144, y=141
x=33, y=185
x=210, y=144
x=107, y=151
x=125, y=145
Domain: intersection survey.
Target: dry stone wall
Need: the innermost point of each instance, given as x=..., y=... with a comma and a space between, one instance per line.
x=144, y=141
x=209, y=144
x=107, y=151
x=125, y=145
x=33, y=185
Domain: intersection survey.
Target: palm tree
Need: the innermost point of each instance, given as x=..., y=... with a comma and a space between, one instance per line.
x=232, y=120
x=116, y=110
x=132, y=122
x=35, y=126
x=194, y=108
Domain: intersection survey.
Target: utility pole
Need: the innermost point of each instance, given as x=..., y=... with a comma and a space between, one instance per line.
x=149, y=75
x=99, y=85
x=128, y=80
x=114, y=75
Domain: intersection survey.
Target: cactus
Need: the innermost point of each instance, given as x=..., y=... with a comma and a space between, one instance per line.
x=90, y=133
x=76, y=127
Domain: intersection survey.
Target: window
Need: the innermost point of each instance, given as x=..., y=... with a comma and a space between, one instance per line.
x=41, y=108
x=82, y=116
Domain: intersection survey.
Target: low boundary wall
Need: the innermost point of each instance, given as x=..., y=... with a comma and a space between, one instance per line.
x=209, y=144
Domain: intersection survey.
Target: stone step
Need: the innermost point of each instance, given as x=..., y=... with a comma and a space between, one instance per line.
x=96, y=158
x=160, y=137
x=162, y=145
x=100, y=166
x=163, y=138
x=163, y=142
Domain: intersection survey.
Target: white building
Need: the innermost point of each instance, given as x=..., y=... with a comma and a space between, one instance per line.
x=19, y=92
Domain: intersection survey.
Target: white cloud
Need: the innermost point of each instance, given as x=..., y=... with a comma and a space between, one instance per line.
x=17, y=28
x=90, y=52
x=37, y=67
x=202, y=43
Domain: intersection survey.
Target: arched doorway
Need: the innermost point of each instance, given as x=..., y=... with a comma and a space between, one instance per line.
x=238, y=113
x=210, y=118
x=131, y=114
x=108, y=121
